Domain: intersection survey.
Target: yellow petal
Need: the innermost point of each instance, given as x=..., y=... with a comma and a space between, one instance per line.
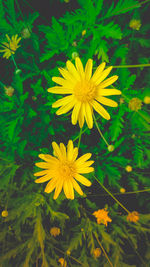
x=58, y=189
x=71, y=68
x=59, y=90
x=103, y=75
x=81, y=116
x=51, y=185
x=44, y=179
x=85, y=164
x=70, y=150
x=63, y=150
x=63, y=101
x=77, y=187
x=75, y=113
x=48, y=158
x=68, y=189
x=62, y=82
x=57, y=151
x=75, y=154
x=100, y=110
x=82, y=180
x=106, y=101
x=85, y=170
x=66, y=108
x=43, y=165
x=108, y=92
x=83, y=158
x=88, y=69
x=67, y=75
x=108, y=81
x=79, y=67
x=98, y=71
x=88, y=115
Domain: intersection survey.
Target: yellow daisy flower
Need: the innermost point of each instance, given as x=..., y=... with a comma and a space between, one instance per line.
x=133, y=216
x=102, y=216
x=63, y=170
x=10, y=47
x=54, y=231
x=62, y=262
x=85, y=93
x=97, y=252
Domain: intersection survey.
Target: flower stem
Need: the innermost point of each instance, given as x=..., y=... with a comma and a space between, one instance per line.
x=103, y=250
x=111, y=195
x=100, y=131
x=132, y=66
x=80, y=134
x=14, y=61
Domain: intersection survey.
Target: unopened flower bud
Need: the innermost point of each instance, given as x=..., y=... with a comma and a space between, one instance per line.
x=128, y=168
x=74, y=55
x=122, y=190
x=97, y=252
x=18, y=71
x=146, y=100
x=110, y=148
x=135, y=24
x=83, y=32
x=9, y=90
x=26, y=33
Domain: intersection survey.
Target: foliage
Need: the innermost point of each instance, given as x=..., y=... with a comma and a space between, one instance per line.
x=29, y=125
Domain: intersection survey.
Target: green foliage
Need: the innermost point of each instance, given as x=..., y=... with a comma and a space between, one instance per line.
x=94, y=29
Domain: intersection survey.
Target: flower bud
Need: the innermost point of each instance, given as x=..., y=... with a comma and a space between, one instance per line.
x=135, y=24
x=110, y=148
x=97, y=252
x=9, y=90
x=122, y=190
x=128, y=168
x=74, y=55
x=26, y=34
x=4, y=213
x=83, y=32
x=146, y=100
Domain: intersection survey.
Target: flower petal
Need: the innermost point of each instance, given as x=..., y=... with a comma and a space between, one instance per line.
x=98, y=72
x=59, y=90
x=63, y=150
x=57, y=151
x=81, y=116
x=75, y=113
x=108, y=81
x=103, y=75
x=83, y=158
x=68, y=189
x=62, y=82
x=85, y=169
x=48, y=158
x=75, y=154
x=43, y=165
x=77, y=187
x=88, y=69
x=100, y=110
x=88, y=115
x=66, y=108
x=70, y=150
x=82, y=180
x=41, y=173
x=67, y=75
x=71, y=68
x=63, y=101
x=45, y=178
x=79, y=67
x=106, y=101
x=108, y=92
x=51, y=185
x=58, y=189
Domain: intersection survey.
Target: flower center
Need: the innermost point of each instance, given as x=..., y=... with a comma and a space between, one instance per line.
x=66, y=170
x=85, y=91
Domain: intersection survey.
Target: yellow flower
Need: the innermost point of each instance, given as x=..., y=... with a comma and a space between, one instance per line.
x=9, y=90
x=10, y=47
x=122, y=190
x=63, y=170
x=83, y=32
x=146, y=100
x=54, y=231
x=135, y=24
x=102, y=216
x=133, y=216
x=62, y=262
x=97, y=252
x=135, y=104
x=128, y=168
x=84, y=93
x=4, y=213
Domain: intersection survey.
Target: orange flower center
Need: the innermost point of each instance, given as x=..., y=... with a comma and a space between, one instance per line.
x=66, y=169
x=85, y=91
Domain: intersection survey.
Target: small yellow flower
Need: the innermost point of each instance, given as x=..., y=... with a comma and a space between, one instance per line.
x=83, y=32
x=84, y=93
x=9, y=90
x=63, y=170
x=54, y=231
x=10, y=47
x=102, y=216
x=133, y=216
x=122, y=190
x=97, y=252
x=128, y=168
x=146, y=100
x=62, y=262
x=135, y=104
x=110, y=148
x=4, y=213
x=135, y=24
x=68, y=252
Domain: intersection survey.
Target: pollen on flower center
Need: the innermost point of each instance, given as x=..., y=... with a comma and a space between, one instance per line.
x=85, y=90
x=66, y=169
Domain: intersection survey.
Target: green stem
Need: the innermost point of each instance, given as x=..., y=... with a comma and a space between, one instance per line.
x=14, y=61
x=100, y=131
x=111, y=195
x=132, y=66
x=80, y=134
x=126, y=193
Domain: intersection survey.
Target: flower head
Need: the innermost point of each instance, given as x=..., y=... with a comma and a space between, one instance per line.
x=135, y=24
x=146, y=100
x=102, y=216
x=97, y=252
x=62, y=262
x=122, y=190
x=63, y=170
x=4, y=213
x=135, y=104
x=54, y=231
x=133, y=216
x=85, y=93
x=128, y=168
x=10, y=47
